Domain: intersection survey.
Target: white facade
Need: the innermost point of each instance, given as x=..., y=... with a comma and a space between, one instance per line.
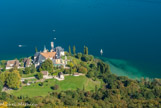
x=12, y=67
x=9, y=67
x=61, y=76
x=62, y=53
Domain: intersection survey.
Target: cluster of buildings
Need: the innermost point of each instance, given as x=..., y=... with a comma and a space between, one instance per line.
x=15, y=63
x=54, y=55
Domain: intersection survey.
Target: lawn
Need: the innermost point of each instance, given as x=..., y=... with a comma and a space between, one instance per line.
x=29, y=75
x=70, y=83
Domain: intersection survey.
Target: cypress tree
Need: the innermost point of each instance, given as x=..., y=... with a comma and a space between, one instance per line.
x=70, y=51
x=1, y=86
x=84, y=49
x=36, y=50
x=74, y=50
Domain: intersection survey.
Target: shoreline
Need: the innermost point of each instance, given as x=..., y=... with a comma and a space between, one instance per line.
x=123, y=68
x=118, y=67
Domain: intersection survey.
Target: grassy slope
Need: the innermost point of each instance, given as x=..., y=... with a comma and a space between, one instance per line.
x=29, y=75
x=70, y=83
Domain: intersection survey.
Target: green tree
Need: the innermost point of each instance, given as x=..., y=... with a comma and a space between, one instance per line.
x=96, y=88
x=71, y=64
x=86, y=50
x=14, y=68
x=55, y=87
x=74, y=50
x=3, y=64
x=36, y=50
x=1, y=86
x=39, y=76
x=26, y=81
x=41, y=84
x=22, y=64
x=93, y=65
x=3, y=77
x=27, y=70
x=79, y=55
x=82, y=70
x=70, y=51
x=91, y=57
x=90, y=74
x=85, y=58
x=13, y=80
x=33, y=69
x=47, y=66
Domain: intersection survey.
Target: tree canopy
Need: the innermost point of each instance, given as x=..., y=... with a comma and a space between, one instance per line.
x=47, y=66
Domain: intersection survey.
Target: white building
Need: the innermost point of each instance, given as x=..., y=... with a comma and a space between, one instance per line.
x=12, y=63
x=54, y=54
x=45, y=74
x=61, y=75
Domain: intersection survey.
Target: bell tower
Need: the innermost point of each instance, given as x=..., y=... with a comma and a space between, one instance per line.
x=52, y=46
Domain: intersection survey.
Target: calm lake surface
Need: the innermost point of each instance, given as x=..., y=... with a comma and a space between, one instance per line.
x=124, y=29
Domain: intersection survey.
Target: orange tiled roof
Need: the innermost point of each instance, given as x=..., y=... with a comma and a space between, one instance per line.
x=49, y=54
x=13, y=62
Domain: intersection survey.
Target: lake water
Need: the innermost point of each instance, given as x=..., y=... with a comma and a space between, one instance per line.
x=124, y=29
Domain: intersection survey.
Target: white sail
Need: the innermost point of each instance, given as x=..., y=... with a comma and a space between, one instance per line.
x=101, y=51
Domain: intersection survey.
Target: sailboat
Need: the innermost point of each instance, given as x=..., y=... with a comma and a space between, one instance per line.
x=101, y=52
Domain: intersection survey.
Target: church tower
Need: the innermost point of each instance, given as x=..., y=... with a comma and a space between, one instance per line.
x=52, y=46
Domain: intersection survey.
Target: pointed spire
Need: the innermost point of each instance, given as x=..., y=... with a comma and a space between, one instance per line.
x=52, y=47
x=44, y=47
x=45, y=50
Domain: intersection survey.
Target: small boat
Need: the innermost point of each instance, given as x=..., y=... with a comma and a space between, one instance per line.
x=19, y=45
x=101, y=51
x=54, y=38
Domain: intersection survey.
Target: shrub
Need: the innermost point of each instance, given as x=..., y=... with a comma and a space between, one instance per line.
x=85, y=58
x=66, y=71
x=83, y=64
x=55, y=87
x=33, y=69
x=41, y=84
x=90, y=74
x=82, y=70
x=39, y=76
x=3, y=96
x=27, y=70
x=91, y=57
x=93, y=66
x=79, y=55
x=25, y=82
x=1, y=86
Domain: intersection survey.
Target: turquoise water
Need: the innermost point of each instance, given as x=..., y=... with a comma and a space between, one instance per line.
x=124, y=68
x=125, y=29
